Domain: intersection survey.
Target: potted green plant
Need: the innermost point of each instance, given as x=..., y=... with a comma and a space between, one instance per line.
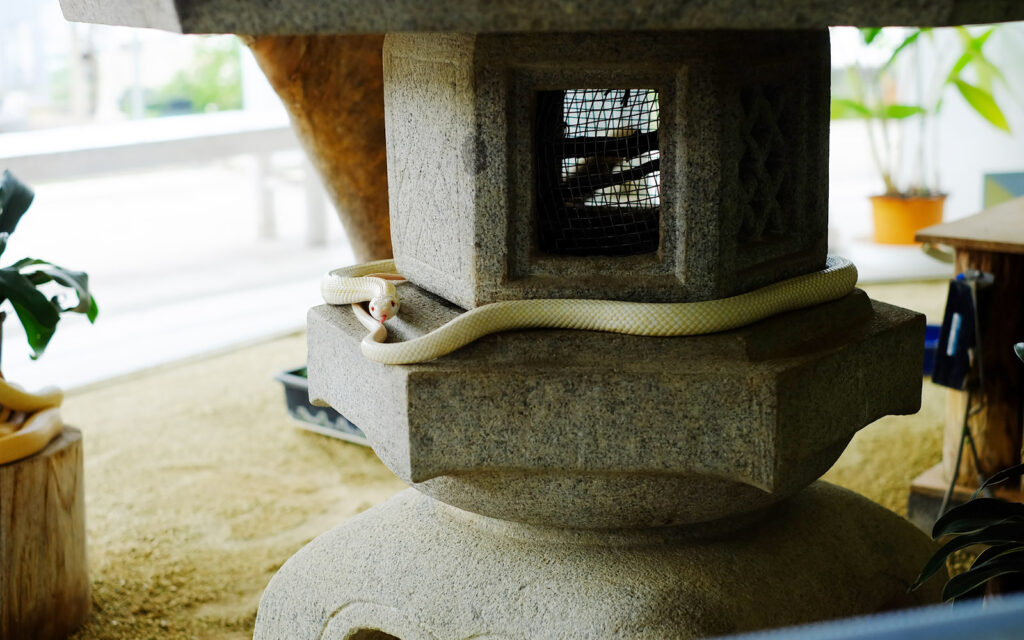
x=28, y=421
x=899, y=102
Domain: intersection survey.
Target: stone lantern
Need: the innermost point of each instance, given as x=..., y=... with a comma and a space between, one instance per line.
x=579, y=484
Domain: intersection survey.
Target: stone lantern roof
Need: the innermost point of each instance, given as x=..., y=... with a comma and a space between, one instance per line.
x=477, y=16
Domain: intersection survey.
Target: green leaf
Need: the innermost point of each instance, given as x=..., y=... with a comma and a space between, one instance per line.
x=900, y=111
x=974, y=56
x=844, y=108
x=93, y=311
x=977, y=514
x=976, y=576
x=1019, y=350
x=998, y=553
x=38, y=315
x=15, y=199
x=995, y=534
x=78, y=281
x=993, y=551
x=1009, y=473
x=870, y=33
x=983, y=103
x=4, y=237
x=909, y=40
x=38, y=333
x=958, y=66
x=979, y=42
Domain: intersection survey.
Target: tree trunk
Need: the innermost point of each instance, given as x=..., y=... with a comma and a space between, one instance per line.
x=333, y=87
x=44, y=580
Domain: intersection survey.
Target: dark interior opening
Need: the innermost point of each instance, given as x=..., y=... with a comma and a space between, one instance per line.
x=598, y=172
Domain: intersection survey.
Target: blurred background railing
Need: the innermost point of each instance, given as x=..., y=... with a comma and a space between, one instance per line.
x=165, y=167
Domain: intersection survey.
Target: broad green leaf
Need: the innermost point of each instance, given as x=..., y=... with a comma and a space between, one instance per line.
x=17, y=288
x=976, y=514
x=983, y=103
x=77, y=281
x=1019, y=350
x=93, y=311
x=844, y=108
x=4, y=237
x=900, y=111
x=993, y=551
x=15, y=199
x=995, y=534
x=999, y=553
x=37, y=333
x=977, y=576
x=37, y=314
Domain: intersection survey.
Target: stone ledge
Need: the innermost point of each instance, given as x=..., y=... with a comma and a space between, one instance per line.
x=543, y=425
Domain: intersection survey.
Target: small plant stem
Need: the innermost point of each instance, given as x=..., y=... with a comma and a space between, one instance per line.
x=876, y=157
x=872, y=143
x=890, y=183
x=922, y=134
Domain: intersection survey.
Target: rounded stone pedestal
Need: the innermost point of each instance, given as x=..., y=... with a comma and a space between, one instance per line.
x=417, y=569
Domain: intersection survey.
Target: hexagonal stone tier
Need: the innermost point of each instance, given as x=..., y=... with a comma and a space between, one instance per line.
x=596, y=430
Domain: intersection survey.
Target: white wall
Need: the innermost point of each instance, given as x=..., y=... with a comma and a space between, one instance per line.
x=969, y=146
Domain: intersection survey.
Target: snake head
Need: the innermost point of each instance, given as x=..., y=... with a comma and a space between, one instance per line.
x=384, y=307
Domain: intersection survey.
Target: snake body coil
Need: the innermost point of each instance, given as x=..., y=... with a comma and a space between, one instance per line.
x=370, y=282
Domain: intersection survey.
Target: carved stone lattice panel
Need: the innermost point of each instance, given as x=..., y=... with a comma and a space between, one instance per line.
x=765, y=204
x=781, y=169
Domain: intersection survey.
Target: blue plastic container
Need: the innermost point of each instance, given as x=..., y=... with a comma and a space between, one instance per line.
x=323, y=420
x=931, y=344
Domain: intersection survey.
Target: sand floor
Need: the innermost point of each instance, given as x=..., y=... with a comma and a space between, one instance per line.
x=199, y=486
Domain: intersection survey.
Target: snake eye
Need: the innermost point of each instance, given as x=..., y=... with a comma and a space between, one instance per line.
x=373, y=309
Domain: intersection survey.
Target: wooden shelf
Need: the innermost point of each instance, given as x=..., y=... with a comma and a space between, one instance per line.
x=999, y=229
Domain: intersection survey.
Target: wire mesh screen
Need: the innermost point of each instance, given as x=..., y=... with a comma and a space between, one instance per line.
x=598, y=171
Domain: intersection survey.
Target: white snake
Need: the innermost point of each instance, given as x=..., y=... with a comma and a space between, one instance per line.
x=373, y=283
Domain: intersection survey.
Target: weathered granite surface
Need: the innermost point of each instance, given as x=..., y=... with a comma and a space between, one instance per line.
x=417, y=569
x=743, y=141
x=373, y=16
x=590, y=429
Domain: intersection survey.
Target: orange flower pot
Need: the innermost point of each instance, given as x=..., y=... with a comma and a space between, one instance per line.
x=897, y=219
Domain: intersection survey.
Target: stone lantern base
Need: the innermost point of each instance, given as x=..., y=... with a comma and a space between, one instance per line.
x=415, y=568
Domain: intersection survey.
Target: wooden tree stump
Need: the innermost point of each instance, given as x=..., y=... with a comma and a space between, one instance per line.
x=44, y=580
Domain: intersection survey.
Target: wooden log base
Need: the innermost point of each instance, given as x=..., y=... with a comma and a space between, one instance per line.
x=928, y=489
x=44, y=579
